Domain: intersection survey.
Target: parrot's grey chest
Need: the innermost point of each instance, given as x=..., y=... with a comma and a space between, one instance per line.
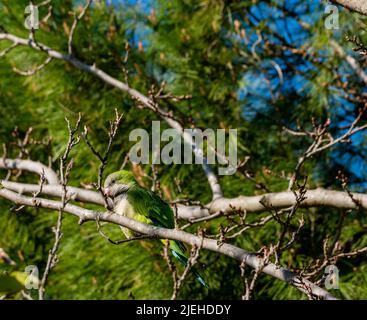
x=124, y=208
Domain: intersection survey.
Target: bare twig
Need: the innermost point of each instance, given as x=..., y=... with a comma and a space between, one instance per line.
x=172, y=268
x=323, y=140
x=64, y=175
x=77, y=18
x=114, y=125
x=264, y=260
x=33, y=70
x=8, y=49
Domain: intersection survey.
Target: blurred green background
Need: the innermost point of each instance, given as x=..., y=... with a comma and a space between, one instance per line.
x=210, y=50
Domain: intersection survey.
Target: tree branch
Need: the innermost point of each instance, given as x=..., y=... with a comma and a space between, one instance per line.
x=234, y=252
x=359, y=6
x=31, y=166
x=141, y=98
x=77, y=18
x=250, y=204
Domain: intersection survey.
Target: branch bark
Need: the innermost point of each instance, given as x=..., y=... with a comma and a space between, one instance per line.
x=31, y=166
x=234, y=252
x=359, y=6
x=250, y=204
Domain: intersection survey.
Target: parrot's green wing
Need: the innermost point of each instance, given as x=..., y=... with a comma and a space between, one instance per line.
x=151, y=206
x=147, y=204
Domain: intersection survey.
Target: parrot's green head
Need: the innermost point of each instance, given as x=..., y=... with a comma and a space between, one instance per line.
x=118, y=183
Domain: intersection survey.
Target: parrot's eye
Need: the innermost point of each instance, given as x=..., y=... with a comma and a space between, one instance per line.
x=111, y=182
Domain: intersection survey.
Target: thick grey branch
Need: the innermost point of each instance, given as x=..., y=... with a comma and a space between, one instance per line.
x=359, y=6
x=239, y=254
x=251, y=204
x=72, y=193
x=31, y=166
x=314, y=198
x=278, y=200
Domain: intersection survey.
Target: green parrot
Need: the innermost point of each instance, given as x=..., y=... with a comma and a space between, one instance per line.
x=143, y=205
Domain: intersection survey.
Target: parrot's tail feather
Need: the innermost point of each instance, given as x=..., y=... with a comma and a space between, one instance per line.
x=183, y=260
x=200, y=278
x=180, y=257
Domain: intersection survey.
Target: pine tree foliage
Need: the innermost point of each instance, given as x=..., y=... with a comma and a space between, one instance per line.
x=248, y=65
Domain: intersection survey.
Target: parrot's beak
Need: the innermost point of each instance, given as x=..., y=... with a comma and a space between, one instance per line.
x=106, y=192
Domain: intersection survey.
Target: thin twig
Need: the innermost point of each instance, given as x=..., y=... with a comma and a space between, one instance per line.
x=52, y=259
x=33, y=70
x=77, y=18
